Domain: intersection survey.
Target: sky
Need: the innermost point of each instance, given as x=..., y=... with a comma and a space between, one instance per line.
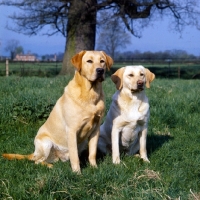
x=155, y=38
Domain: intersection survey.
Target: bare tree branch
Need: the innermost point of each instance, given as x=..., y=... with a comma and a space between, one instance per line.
x=37, y=14
x=76, y=19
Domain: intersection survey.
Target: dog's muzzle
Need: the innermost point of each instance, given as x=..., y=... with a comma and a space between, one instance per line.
x=100, y=74
x=140, y=84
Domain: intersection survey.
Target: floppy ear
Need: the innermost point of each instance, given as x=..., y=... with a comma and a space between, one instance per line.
x=149, y=77
x=77, y=60
x=109, y=60
x=117, y=78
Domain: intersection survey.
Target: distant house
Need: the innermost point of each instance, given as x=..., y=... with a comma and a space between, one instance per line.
x=25, y=57
x=54, y=59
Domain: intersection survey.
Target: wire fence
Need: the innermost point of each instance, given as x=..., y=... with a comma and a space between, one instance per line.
x=41, y=69
x=162, y=69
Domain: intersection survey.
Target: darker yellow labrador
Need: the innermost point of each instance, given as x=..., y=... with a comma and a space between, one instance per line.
x=75, y=119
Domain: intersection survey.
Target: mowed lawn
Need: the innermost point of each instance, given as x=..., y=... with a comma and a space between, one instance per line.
x=173, y=146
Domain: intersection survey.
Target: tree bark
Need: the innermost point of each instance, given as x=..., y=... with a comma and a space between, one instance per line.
x=81, y=30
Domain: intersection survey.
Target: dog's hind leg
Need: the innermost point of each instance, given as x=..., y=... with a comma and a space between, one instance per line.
x=43, y=150
x=139, y=145
x=134, y=148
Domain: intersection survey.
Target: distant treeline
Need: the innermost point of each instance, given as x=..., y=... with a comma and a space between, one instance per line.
x=168, y=56
x=147, y=56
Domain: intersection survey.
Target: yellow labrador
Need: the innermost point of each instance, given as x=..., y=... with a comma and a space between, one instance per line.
x=76, y=117
x=125, y=126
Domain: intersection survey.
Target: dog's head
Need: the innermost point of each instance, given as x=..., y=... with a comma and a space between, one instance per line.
x=92, y=64
x=133, y=78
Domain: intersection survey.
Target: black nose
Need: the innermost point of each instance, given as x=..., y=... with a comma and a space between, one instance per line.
x=100, y=71
x=140, y=83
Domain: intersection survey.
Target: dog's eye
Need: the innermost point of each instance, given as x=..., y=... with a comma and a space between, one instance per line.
x=102, y=61
x=131, y=75
x=141, y=74
x=89, y=61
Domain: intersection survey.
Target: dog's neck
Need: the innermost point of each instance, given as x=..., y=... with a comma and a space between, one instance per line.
x=85, y=89
x=128, y=95
x=85, y=83
x=136, y=99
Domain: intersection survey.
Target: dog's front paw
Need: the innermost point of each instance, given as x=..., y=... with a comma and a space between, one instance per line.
x=93, y=164
x=145, y=159
x=116, y=160
x=92, y=160
x=76, y=169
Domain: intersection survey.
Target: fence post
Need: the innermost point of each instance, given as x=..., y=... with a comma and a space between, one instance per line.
x=179, y=72
x=7, y=67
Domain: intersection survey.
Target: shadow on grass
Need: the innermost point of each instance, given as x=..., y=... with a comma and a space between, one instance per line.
x=84, y=158
x=154, y=142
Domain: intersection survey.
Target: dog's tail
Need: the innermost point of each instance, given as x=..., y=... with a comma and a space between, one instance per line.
x=18, y=156
x=21, y=157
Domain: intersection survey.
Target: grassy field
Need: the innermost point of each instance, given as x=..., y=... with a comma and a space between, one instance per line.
x=173, y=146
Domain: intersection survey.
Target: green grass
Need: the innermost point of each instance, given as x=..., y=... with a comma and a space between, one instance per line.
x=173, y=146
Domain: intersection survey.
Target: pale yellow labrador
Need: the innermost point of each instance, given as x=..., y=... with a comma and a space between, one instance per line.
x=125, y=126
x=75, y=119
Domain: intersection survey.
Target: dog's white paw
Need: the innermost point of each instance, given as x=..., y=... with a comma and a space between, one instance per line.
x=116, y=160
x=146, y=159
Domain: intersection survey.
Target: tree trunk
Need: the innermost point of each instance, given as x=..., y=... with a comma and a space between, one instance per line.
x=81, y=30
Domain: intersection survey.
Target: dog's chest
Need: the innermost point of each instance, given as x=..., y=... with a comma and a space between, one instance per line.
x=134, y=123
x=129, y=134
x=134, y=115
x=89, y=124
